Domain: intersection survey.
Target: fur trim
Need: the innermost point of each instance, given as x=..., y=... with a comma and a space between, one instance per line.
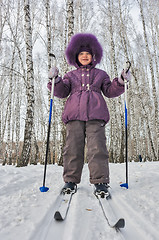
x=80, y=40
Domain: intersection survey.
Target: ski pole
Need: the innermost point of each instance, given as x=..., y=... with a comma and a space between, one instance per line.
x=44, y=188
x=126, y=128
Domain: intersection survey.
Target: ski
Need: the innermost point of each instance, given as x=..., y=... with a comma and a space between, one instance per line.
x=63, y=207
x=106, y=209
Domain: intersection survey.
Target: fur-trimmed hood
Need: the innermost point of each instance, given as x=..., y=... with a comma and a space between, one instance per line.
x=85, y=40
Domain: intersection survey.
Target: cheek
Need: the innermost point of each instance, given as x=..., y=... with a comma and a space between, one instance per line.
x=79, y=58
x=90, y=59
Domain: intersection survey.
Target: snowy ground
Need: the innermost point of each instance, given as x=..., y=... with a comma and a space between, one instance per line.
x=26, y=213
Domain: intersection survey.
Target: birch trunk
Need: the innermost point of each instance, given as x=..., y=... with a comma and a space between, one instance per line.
x=17, y=121
x=115, y=136
x=69, y=30
x=25, y=156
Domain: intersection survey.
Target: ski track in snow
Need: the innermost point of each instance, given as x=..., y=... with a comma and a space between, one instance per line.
x=28, y=214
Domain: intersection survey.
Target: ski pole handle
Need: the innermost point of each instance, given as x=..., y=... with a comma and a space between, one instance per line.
x=127, y=68
x=128, y=65
x=52, y=56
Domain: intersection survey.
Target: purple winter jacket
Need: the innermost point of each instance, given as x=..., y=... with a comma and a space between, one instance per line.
x=85, y=86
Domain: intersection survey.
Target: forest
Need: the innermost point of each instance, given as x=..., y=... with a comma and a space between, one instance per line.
x=128, y=30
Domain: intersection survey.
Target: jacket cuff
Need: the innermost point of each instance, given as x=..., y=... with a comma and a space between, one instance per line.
x=57, y=79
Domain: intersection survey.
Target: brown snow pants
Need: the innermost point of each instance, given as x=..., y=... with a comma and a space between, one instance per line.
x=77, y=133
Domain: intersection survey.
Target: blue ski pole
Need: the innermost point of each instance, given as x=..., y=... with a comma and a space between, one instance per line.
x=44, y=188
x=126, y=128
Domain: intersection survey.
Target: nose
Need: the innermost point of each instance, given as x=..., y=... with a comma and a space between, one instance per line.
x=85, y=55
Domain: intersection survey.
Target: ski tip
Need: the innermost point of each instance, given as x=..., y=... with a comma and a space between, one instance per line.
x=57, y=216
x=120, y=223
x=44, y=189
x=124, y=185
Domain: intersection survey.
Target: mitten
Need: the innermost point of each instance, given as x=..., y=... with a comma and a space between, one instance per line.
x=53, y=73
x=124, y=76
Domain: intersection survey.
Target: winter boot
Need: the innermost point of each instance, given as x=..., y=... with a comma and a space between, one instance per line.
x=101, y=189
x=69, y=187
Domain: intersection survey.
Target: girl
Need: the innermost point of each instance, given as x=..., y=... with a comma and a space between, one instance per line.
x=85, y=113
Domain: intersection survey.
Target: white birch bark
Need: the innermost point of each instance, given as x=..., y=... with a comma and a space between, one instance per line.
x=25, y=156
x=69, y=31
x=17, y=120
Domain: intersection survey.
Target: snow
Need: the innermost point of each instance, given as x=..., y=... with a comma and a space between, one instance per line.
x=26, y=213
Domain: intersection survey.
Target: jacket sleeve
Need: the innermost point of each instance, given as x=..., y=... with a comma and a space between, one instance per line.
x=112, y=89
x=62, y=87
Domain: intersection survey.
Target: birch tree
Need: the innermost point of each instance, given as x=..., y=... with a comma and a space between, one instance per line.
x=69, y=31
x=8, y=143
x=114, y=133
x=17, y=119
x=25, y=156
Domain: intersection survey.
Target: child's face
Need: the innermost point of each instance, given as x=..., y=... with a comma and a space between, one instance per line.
x=85, y=58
